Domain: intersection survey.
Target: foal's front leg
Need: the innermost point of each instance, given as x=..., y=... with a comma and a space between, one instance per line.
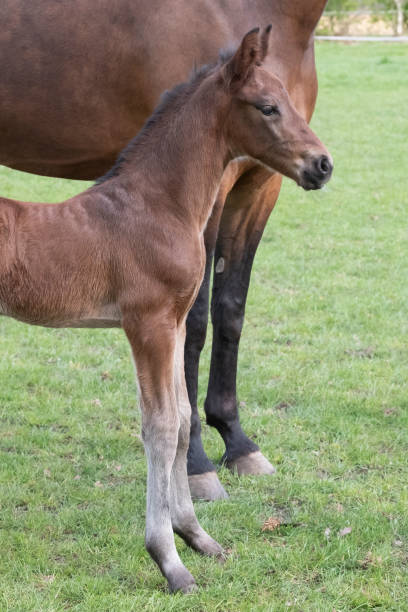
x=153, y=345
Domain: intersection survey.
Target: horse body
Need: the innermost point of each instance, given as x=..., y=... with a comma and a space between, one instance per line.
x=130, y=251
x=78, y=82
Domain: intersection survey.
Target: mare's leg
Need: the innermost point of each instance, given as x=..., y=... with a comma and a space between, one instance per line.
x=203, y=479
x=153, y=344
x=184, y=520
x=244, y=217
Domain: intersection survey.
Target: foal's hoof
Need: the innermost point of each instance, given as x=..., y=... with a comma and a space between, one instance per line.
x=209, y=547
x=183, y=581
x=206, y=486
x=254, y=463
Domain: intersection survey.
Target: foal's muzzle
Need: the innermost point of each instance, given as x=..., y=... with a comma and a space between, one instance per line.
x=318, y=173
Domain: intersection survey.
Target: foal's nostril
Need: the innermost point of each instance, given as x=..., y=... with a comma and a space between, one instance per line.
x=317, y=172
x=323, y=164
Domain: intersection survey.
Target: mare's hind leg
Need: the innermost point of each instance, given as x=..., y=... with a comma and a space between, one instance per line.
x=184, y=520
x=245, y=214
x=153, y=344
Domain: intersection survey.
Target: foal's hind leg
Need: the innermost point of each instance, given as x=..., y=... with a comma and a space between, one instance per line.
x=184, y=520
x=153, y=345
x=245, y=214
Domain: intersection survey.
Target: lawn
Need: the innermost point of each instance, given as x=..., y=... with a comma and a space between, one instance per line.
x=323, y=388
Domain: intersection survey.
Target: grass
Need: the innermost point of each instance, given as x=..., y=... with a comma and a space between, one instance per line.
x=323, y=384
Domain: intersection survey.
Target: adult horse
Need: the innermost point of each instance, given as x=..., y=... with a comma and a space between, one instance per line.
x=79, y=78
x=129, y=252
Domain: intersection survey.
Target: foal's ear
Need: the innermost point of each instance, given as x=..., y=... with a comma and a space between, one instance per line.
x=248, y=55
x=265, y=41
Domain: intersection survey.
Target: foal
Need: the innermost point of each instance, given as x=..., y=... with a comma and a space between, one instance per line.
x=129, y=253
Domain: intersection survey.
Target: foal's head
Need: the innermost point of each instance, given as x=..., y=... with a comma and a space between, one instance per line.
x=264, y=124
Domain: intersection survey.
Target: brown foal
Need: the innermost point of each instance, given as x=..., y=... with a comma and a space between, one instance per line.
x=129, y=252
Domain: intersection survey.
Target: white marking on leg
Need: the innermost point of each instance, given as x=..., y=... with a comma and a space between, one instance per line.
x=219, y=268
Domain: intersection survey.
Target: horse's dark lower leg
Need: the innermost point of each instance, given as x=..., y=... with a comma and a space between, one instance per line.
x=246, y=212
x=204, y=483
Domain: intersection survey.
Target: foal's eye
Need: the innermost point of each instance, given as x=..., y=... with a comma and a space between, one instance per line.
x=269, y=110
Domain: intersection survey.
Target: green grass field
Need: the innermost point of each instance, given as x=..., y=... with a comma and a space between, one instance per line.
x=323, y=385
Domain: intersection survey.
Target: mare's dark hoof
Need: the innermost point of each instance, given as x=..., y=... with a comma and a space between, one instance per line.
x=254, y=463
x=206, y=486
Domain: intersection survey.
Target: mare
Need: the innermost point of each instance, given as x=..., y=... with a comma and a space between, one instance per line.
x=78, y=83
x=129, y=252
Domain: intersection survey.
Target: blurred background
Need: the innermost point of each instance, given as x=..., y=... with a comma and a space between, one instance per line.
x=364, y=18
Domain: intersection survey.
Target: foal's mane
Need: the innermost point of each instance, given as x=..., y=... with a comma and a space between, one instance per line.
x=170, y=103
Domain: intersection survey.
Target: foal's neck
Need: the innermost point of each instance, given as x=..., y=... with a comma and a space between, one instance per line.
x=178, y=159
